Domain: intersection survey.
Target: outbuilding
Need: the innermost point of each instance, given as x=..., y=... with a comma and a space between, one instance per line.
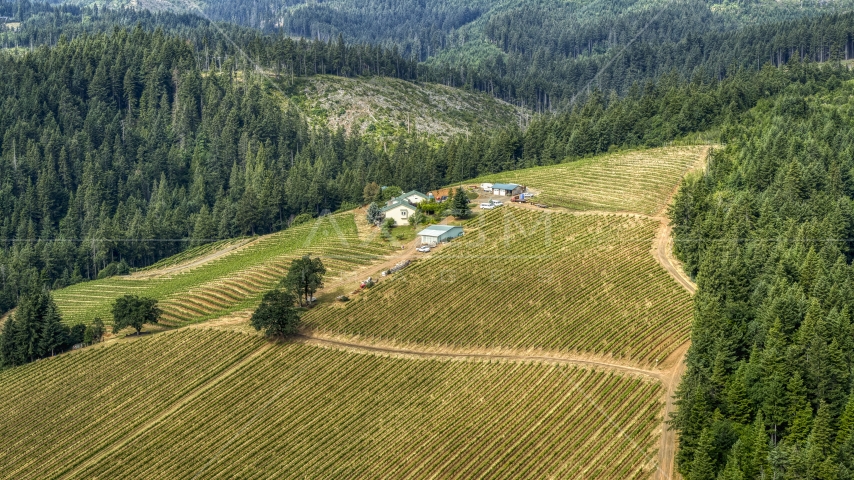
x=435, y=234
x=507, y=189
x=399, y=210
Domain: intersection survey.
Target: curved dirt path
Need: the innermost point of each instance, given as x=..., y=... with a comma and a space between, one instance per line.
x=669, y=374
x=668, y=442
x=662, y=251
x=463, y=355
x=160, y=272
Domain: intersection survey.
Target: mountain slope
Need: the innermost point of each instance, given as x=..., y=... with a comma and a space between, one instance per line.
x=380, y=107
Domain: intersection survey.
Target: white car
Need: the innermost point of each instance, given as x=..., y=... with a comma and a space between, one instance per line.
x=423, y=249
x=497, y=203
x=487, y=206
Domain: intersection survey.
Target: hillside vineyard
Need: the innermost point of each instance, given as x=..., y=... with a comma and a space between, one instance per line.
x=637, y=181
x=521, y=279
x=235, y=280
x=295, y=410
x=427, y=239
x=105, y=394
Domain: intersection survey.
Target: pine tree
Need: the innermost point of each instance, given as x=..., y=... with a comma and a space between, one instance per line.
x=460, y=204
x=759, y=465
x=54, y=334
x=731, y=471
x=821, y=437
x=738, y=405
x=703, y=467
x=374, y=215
x=846, y=423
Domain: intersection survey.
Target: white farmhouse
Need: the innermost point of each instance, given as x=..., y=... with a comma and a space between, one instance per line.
x=399, y=210
x=414, y=197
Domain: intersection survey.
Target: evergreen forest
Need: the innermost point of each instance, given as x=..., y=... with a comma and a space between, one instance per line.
x=128, y=135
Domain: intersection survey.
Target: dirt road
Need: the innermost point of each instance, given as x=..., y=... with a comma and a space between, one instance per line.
x=669, y=373
x=413, y=352
x=662, y=250
x=195, y=262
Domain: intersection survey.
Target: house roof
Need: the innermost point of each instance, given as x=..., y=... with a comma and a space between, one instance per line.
x=411, y=193
x=505, y=186
x=397, y=202
x=437, y=230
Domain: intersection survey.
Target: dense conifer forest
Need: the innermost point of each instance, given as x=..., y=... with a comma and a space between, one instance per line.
x=127, y=136
x=165, y=131
x=767, y=230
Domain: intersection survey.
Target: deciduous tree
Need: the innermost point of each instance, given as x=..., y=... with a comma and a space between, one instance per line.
x=276, y=315
x=305, y=276
x=133, y=311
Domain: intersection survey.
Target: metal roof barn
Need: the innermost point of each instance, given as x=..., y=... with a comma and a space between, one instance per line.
x=436, y=234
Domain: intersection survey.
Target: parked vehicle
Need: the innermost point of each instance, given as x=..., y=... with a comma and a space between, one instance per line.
x=423, y=249
x=497, y=203
x=487, y=206
x=518, y=199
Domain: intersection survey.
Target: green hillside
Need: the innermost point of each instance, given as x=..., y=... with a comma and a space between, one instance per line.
x=228, y=282
x=455, y=390
x=640, y=181
x=69, y=407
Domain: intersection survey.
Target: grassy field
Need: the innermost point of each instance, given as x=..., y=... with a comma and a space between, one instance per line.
x=523, y=279
x=636, y=181
x=309, y=412
x=230, y=282
x=58, y=411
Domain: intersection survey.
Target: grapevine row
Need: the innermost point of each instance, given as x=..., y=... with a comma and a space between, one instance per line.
x=638, y=181
x=58, y=411
x=302, y=411
x=592, y=286
x=230, y=281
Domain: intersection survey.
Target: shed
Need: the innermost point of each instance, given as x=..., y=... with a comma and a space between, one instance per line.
x=436, y=234
x=399, y=210
x=507, y=189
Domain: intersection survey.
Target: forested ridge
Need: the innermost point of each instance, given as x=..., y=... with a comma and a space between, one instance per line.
x=119, y=149
x=544, y=55
x=768, y=230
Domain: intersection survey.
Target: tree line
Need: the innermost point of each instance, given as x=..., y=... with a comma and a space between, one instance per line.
x=36, y=331
x=768, y=233
x=544, y=55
